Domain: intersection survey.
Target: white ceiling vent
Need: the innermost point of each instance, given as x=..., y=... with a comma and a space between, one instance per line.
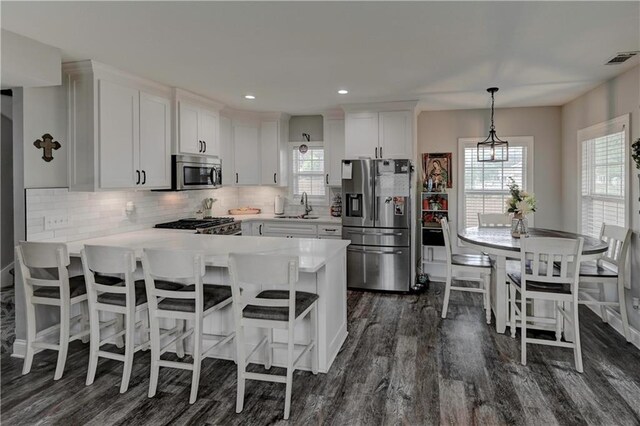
x=621, y=57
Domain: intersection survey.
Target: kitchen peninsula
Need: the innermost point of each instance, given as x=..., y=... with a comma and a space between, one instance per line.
x=322, y=271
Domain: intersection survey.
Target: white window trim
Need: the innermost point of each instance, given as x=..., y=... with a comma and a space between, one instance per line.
x=526, y=141
x=313, y=200
x=614, y=125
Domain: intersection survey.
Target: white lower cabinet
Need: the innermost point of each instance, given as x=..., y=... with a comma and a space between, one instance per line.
x=330, y=232
x=291, y=230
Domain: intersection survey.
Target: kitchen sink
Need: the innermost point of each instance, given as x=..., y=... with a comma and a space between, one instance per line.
x=298, y=217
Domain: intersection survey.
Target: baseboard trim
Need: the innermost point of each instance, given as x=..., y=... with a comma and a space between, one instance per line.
x=615, y=321
x=6, y=280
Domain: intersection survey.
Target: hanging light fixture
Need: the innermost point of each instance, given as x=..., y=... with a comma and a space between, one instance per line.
x=493, y=148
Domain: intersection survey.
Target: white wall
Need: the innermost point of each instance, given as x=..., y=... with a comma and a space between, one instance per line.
x=29, y=63
x=616, y=97
x=438, y=131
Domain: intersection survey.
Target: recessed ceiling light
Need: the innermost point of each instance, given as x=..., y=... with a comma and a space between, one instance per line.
x=343, y=91
x=250, y=97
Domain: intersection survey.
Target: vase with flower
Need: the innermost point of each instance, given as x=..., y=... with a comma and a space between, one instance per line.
x=520, y=203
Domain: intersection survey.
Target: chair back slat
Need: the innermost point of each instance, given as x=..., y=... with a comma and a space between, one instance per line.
x=39, y=282
x=493, y=220
x=550, y=260
x=618, y=238
x=446, y=234
x=44, y=255
x=109, y=260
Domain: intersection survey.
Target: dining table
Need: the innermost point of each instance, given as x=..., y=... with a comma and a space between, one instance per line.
x=500, y=245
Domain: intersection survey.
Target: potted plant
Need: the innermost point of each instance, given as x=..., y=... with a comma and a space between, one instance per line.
x=520, y=203
x=635, y=154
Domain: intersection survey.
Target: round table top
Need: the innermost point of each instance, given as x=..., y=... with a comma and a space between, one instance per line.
x=500, y=238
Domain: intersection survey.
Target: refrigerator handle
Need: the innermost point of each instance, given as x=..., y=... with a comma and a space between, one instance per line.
x=373, y=192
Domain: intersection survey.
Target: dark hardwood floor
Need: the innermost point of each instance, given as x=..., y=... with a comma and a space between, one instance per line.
x=401, y=364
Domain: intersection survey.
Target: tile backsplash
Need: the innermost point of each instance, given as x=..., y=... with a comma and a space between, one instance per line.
x=96, y=214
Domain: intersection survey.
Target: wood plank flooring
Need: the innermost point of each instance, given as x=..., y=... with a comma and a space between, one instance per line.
x=401, y=364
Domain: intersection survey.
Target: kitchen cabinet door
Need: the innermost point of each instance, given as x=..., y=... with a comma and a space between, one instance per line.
x=208, y=132
x=118, y=135
x=396, y=134
x=246, y=155
x=155, y=142
x=334, y=151
x=226, y=151
x=361, y=135
x=269, y=151
x=189, y=128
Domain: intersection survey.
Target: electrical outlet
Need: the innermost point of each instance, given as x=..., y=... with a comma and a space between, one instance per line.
x=56, y=221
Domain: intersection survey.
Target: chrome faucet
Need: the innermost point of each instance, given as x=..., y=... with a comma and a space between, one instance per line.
x=305, y=201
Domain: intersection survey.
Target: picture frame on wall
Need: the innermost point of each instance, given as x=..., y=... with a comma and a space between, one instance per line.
x=437, y=167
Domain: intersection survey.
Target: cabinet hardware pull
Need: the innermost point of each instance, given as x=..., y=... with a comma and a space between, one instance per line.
x=205, y=146
x=260, y=229
x=327, y=179
x=376, y=152
x=236, y=178
x=380, y=152
x=274, y=178
x=138, y=173
x=199, y=146
x=144, y=177
x=330, y=230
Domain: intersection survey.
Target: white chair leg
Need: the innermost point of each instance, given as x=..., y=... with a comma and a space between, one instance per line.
x=94, y=347
x=129, y=348
x=558, y=319
x=31, y=336
x=487, y=298
x=577, y=350
x=523, y=328
x=447, y=294
x=180, y=342
x=603, y=308
x=269, y=349
x=242, y=364
x=315, y=352
x=119, y=326
x=623, y=311
x=144, y=317
x=290, y=361
x=512, y=320
x=84, y=322
x=197, y=359
x=155, y=354
x=64, y=339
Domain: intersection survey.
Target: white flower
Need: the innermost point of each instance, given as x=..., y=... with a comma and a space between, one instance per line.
x=523, y=207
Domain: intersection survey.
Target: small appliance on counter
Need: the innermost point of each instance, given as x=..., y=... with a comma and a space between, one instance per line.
x=278, y=205
x=212, y=225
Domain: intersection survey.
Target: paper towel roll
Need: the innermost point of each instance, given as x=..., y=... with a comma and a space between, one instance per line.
x=278, y=205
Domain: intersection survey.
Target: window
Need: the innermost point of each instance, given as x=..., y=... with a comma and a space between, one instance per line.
x=308, y=172
x=603, y=175
x=485, y=185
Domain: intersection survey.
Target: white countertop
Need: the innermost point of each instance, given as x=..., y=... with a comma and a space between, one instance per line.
x=321, y=220
x=313, y=253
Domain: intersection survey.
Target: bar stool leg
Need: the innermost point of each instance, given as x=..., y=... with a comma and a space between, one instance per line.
x=155, y=354
x=290, y=361
x=558, y=321
x=84, y=322
x=603, y=308
x=197, y=359
x=577, y=350
x=512, y=319
x=64, y=339
x=180, y=325
x=31, y=337
x=129, y=347
x=447, y=294
x=623, y=310
x=269, y=349
x=523, y=327
x=94, y=347
x=242, y=364
x=487, y=298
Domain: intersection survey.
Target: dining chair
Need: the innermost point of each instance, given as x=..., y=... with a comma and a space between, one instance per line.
x=47, y=259
x=608, y=270
x=459, y=266
x=493, y=220
x=548, y=271
x=281, y=308
x=125, y=300
x=191, y=304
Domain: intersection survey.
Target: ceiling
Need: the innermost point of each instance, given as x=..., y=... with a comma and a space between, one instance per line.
x=295, y=56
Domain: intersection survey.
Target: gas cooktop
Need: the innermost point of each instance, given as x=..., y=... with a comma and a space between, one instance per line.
x=210, y=225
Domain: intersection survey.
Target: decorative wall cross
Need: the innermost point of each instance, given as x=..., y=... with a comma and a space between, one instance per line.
x=48, y=145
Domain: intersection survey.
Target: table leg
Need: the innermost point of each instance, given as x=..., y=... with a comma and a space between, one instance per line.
x=500, y=296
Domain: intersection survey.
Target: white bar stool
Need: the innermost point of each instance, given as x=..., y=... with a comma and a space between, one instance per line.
x=608, y=270
x=458, y=264
x=193, y=303
x=125, y=300
x=271, y=309
x=494, y=220
x=548, y=271
x=62, y=291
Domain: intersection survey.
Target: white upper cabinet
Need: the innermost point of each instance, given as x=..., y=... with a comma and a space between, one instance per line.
x=119, y=129
x=383, y=130
x=269, y=150
x=333, y=151
x=361, y=130
x=395, y=136
x=208, y=125
x=197, y=121
x=246, y=154
x=226, y=151
x=155, y=141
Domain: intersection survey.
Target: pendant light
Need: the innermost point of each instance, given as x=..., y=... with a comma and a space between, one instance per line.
x=493, y=148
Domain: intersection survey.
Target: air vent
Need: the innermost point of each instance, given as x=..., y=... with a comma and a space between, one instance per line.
x=621, y=57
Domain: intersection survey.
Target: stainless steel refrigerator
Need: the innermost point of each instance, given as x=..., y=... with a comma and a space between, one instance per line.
x=377, y=218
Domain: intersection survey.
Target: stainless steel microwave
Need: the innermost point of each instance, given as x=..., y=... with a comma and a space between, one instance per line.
x=193, y=172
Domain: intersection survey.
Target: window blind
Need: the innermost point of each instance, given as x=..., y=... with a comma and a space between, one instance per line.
x=308, y=172
x=603, y=182
x=486, y=184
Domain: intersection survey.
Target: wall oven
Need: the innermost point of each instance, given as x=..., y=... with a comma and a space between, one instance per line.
x=192, y=172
